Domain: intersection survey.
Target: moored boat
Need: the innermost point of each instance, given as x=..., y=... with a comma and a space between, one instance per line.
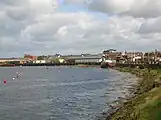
x=104, y=65
x=107, y=64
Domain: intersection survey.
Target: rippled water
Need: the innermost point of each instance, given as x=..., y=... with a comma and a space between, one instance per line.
x=60, y=93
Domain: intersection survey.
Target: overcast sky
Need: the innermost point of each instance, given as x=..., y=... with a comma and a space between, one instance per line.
x=77, y=26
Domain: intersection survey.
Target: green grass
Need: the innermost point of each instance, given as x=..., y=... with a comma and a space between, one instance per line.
x=146, y=105
x=155, y=110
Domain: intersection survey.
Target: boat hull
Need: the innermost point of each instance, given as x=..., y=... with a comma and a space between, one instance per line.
x=104, y=65
x=107, y=65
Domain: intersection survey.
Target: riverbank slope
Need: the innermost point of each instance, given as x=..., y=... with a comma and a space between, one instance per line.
x=146, y=104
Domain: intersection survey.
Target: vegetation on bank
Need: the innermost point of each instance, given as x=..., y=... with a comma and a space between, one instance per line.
x=146, y=104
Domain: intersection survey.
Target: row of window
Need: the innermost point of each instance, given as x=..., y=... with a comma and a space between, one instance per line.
x=86, y=60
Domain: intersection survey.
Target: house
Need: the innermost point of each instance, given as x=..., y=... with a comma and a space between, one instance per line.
x=133, y=56
x=153, y=56
x=30, y=57
x=115, y=56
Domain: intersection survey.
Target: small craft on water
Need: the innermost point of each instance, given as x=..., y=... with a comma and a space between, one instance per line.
x=107, y=64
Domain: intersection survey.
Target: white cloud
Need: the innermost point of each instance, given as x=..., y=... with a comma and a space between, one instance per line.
x=62, y=31
x=136, y=8
x=151, y=26
x=35, y=27
x=111, y=6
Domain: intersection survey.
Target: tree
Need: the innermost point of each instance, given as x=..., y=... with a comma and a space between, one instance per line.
x=41, y=57
x=55, y=60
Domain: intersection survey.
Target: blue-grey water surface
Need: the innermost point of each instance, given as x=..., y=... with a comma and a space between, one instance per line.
x=62, y=93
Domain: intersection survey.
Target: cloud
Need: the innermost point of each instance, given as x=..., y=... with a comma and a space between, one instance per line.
x=151, y=26
x=111, y=6
x=36, y=27
x=136, y=8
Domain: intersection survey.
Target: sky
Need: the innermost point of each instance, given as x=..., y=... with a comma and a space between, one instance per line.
x=76, y=26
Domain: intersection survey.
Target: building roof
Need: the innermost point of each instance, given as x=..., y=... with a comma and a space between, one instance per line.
x=11, y=58
x=134, y=52
x=83, y=56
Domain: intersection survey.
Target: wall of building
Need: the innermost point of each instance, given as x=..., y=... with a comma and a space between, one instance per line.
x=31, y=57
x=11, y=60
x=87, y=60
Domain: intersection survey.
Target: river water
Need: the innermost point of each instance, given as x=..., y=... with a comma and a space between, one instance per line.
x=62, y=93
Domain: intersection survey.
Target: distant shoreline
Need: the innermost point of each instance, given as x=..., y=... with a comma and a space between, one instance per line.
x=52, y=65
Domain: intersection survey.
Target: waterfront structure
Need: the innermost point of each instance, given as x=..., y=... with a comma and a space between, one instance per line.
x=133, y=56
x=107, y=55
x=83, y=58
x=12, y=60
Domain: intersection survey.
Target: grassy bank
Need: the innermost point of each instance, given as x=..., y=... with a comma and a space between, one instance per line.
x=146, y=104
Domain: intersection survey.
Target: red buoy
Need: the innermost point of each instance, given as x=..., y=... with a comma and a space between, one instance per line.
x=4, y=81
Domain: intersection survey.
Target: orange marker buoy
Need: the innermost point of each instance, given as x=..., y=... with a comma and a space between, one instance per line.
x=4, y=81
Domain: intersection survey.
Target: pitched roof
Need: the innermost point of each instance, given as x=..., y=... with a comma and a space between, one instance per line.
x=83, y=56
x=11, y=58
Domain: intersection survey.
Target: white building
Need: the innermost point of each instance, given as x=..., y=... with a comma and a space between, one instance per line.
x=39, y=61
x=88, y=60
x=137, y=58
x=85, y=58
